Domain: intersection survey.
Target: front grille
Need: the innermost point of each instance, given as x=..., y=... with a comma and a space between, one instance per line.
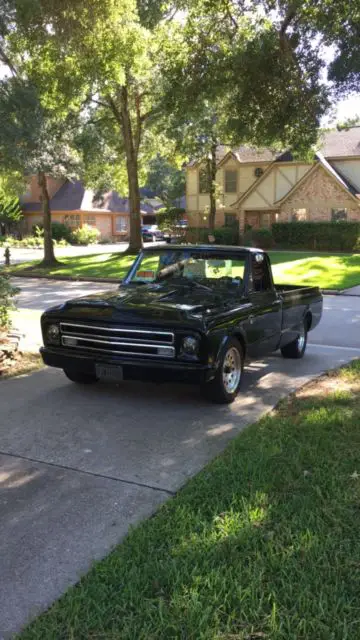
x=120, y=340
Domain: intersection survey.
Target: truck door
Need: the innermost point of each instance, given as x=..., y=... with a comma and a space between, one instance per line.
x=264, y=322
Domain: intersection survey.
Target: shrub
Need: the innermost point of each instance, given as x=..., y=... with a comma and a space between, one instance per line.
x=169, y=217
x=59, y=231
x=7, y=292
x=331, y=236
x=262, y=238
x=222, y=235
x=85, y=235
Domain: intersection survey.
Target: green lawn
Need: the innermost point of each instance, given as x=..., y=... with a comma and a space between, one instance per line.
x=98, y=265
x=263, y=543
x=329, y=271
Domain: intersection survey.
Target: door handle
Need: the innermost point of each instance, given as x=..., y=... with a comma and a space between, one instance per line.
x=251, y=319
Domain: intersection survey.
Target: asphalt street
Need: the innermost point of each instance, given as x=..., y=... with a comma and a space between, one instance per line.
x=78, y=466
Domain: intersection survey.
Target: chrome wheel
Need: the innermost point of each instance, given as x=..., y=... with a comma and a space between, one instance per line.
x=231, y=370
x=301, y=340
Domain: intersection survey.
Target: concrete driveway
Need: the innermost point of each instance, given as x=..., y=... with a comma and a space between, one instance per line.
x=79, y=465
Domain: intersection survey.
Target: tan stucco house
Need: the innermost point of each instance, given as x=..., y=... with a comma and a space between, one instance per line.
x=74, y=205
x=259, y=187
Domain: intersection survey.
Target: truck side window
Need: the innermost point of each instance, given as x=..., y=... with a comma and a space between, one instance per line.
x=260, y=274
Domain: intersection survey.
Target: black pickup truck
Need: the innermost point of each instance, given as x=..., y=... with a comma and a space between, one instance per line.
x=184, y=313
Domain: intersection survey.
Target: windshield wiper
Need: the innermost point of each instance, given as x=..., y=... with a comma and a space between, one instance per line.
x=191, y=283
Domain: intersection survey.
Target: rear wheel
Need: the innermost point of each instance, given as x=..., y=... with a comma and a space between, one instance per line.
x=297, y=348
x=225, y=385
x=79, y=377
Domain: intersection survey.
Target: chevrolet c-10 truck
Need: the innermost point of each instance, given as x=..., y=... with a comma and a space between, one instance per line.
x=191, y=313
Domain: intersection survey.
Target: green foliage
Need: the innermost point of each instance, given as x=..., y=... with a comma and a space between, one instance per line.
x=165, y=180
x=262, y=238
x=169, y=218
x=85, y=235
x=222, y=235
x=10, y=212
x=336, y=236
x=59, y=231
x=7, y=292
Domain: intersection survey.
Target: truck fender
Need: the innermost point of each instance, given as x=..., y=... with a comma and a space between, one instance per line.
x=239, y=335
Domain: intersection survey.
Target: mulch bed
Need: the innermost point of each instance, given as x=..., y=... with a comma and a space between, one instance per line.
x=9, y=349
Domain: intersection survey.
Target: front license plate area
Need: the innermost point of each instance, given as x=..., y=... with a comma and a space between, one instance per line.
x=110, y=373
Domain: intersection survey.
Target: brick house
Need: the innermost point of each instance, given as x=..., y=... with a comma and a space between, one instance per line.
x=259, y=187
x=74, y=205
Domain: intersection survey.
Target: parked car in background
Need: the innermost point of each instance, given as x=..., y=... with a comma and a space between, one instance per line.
x=151, y=233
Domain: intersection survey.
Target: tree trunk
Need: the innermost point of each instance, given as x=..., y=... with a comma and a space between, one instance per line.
x=49, y=256
x=211, y=168
x=131, y=151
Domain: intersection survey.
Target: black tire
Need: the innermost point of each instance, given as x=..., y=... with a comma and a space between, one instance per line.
x=217, y=390
x=297, y=348
x=79, y=377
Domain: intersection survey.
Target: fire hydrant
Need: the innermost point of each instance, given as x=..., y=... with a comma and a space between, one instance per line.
x=7, y=257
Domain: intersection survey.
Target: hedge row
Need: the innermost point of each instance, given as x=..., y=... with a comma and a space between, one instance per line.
x=222, y=235
x=338, y=236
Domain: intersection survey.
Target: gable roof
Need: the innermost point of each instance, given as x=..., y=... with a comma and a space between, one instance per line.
x=241, y=154
x=324, y=164
x=339, y=144
x=332, y=144
x=253, y=186
x=73, y=196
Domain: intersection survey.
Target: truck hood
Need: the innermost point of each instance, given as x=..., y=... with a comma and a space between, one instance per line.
x=160, y=302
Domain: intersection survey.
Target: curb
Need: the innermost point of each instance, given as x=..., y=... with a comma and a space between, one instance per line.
x=343, y=293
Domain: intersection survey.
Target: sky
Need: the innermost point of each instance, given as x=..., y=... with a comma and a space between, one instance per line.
x=347, y=108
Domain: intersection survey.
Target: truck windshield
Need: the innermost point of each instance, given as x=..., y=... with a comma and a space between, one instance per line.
x=210, y=269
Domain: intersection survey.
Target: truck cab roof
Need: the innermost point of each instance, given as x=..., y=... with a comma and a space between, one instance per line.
x=205, y=247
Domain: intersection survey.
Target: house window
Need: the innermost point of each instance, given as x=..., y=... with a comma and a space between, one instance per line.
x=266, y=220
x=204, y=186
x=73, y=220
x=299, y=215
x=90, y=220
x=121, y=224
x=230, y=219
x=230, y=181
x=338, y=215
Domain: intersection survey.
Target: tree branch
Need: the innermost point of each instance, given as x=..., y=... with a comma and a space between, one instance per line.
x=99, y=102
x=6, y=60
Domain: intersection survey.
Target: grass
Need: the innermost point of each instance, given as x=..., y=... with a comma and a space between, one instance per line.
x=98, y=265
x=263, y=543
x=25, y=363
x=328, y=271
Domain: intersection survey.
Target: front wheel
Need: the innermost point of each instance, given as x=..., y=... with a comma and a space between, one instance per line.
x=297, y=348
x=80, y=377
x=225, y=385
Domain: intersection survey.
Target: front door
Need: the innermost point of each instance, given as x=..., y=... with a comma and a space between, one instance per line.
x=252, y=219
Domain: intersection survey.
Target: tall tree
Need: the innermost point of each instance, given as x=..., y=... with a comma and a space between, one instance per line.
x=243, y=79
x=33, y=141
x=99, y=53
x=335, y=24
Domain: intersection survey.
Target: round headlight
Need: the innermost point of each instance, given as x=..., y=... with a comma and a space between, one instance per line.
x=190, y=345
x=53, y=333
